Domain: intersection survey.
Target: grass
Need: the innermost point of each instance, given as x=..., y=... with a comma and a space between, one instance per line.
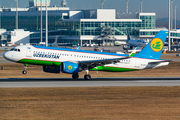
x=94, y=103
x=104, y=103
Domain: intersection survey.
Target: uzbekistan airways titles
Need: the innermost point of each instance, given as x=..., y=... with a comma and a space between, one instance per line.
x=46, y=54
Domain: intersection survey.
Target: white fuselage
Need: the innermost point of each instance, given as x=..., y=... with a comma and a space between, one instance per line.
x=140, y=43
x=61, y=55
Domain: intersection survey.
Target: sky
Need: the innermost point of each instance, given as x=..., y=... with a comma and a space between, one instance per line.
x=160, y=7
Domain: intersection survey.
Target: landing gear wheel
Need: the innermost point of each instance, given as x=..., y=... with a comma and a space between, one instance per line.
x=25, y=67
x=87, y=77
x=75, y=76
x=24, y=72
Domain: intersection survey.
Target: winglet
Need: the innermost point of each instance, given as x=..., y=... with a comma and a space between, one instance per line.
x=133, y=52
x=128, y=35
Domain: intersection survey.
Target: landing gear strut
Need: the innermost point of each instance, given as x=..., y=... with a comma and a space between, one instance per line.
x=25, y=67
x=87, y=76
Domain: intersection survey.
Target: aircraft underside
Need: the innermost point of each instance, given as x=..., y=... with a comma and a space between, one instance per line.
x=55, y=67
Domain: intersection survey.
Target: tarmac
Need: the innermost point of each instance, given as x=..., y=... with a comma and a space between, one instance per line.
x=94, y=82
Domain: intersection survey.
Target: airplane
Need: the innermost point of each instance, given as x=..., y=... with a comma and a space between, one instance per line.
x=130, y=43
x=55, y=44
x=73, y=61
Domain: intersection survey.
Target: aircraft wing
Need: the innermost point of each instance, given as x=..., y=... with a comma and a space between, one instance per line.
x=63, y=43
x=107, y=61
x=95, y=63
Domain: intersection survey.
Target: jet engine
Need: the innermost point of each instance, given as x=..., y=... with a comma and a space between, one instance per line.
x=51, y=69
x=70, y=67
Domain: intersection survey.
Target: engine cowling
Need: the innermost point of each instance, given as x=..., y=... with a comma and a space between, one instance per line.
x=51, y=69
x=70, y=67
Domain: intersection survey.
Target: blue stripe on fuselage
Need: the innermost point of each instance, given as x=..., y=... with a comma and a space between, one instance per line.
x=80, y=51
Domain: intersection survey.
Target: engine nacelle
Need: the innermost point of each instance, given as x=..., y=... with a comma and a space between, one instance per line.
x=70, y=67
x=51, y=69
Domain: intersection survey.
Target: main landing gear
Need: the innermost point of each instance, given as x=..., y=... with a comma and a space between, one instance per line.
x=75, y=76
x=86, y=77
x=25, y=67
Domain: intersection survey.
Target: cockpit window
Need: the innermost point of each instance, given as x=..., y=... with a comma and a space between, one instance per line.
x=14, y=49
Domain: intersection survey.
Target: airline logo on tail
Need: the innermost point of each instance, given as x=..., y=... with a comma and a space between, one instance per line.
x=156, y=44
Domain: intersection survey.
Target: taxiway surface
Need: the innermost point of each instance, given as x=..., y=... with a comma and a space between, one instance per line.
x=95, y=82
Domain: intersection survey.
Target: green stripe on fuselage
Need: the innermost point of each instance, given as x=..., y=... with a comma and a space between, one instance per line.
x=53, y=63
x=112, y=69
x=39, y=62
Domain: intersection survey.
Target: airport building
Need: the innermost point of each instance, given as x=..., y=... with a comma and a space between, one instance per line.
x=17, y=36
x=94, y=26
x=99, y=26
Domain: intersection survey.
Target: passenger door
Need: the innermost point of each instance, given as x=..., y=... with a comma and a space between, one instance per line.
x=28, y=52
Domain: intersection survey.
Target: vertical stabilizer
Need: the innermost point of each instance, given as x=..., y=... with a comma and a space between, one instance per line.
x=128, y=35
x=153, y=49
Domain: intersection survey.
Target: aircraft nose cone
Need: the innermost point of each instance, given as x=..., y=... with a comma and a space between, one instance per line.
x=7, y=56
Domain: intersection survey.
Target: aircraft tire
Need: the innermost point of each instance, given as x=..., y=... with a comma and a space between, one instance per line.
x=131, y=47
x=75, y=76
x=87, y=77
x=24, y=72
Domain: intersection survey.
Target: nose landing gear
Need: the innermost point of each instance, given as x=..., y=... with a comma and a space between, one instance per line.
x=25, y=67
x=86, y=77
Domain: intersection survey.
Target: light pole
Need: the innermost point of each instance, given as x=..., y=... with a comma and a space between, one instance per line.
x=175, y=18
x=41, y=21
x=16, y=14
x=0, y=19
x=169, y=33
x=46, y=25
x=126, y=6
x=171, y=14
x=102, y=2
x=141, y=5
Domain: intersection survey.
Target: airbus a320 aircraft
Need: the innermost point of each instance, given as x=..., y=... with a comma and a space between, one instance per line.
x=73, y=61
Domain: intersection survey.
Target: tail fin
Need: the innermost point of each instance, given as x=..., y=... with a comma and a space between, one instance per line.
x=56, y=39
x=128, y=35
x=153, y=49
